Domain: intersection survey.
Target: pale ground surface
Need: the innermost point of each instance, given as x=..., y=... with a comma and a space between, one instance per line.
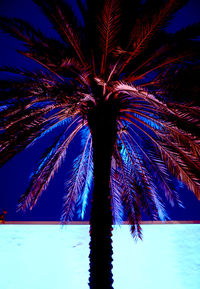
x=55, y=257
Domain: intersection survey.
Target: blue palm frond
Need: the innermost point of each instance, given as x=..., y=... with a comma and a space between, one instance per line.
x=77, y=185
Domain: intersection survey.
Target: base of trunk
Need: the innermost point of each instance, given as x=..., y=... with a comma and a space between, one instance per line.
x=101, y=258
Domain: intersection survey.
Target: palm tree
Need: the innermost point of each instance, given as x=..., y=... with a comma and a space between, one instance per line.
x=116, y=72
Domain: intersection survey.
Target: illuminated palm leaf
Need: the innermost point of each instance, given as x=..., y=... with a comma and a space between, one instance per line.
x=77, y=186
x=109, y=28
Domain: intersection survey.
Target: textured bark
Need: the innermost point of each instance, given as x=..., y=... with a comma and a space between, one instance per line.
x=102, y=123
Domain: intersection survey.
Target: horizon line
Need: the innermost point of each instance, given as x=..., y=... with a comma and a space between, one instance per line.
x=87, y=222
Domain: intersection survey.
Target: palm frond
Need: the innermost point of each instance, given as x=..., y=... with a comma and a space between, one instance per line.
x=139, y=182
x=129, y=201
x=156, y=166
x=76, y=186
x=179, y=136
x=174, y=162
x=176, y=159
x=146, y=28
x=109, y=28
x=88, y=185
x=15, y=140
x=21, y=30
x=33, y=124
x=60, y=14
x=46, y=170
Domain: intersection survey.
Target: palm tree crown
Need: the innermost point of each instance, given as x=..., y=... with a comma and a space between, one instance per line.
x=116, y=68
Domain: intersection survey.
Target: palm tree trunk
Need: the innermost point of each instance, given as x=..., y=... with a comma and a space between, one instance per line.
x=102, y=123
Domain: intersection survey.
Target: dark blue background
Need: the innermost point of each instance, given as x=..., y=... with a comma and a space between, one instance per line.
x=15, y=174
